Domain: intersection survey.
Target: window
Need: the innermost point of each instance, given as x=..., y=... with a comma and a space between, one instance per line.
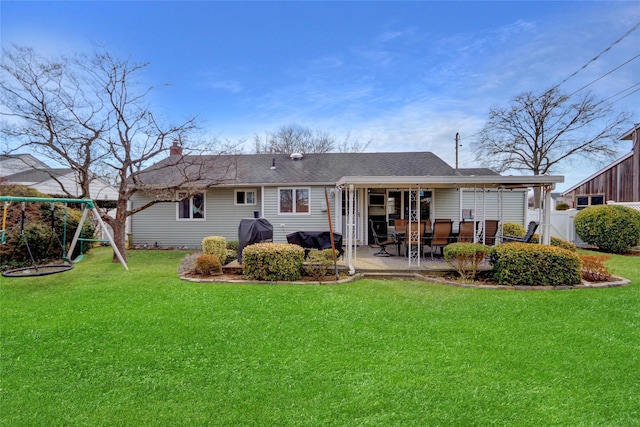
x=190, y=207
x=585, y=201
x=293, y=200
x=245, y=197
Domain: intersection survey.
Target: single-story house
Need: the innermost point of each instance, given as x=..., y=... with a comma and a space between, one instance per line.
x=25, y=169
x=292, y=191
x=617, y=182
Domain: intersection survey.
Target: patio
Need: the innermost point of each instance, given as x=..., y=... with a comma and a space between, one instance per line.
x=366, y=262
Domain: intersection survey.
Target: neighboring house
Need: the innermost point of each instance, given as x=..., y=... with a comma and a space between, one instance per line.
x=292, y=191
x=618, y=182
x=24, y=169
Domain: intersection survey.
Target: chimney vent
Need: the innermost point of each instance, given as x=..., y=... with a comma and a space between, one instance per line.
x=273, y=164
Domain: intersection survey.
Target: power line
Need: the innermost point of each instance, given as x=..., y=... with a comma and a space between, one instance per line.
x=629, y=94
x=621, y=92
x=604, y=75
x=595, y=58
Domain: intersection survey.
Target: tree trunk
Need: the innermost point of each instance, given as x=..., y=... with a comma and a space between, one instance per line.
x=119, y=227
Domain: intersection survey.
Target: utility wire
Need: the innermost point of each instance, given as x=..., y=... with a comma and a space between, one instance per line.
x=595, y=58
x=629, y=94
x=604, y=75
x=621, y=92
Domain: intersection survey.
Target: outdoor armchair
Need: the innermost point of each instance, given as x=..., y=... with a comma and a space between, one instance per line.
x=382, y=241
x=531, y=229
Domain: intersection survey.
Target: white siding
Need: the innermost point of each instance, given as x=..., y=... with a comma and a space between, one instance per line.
x=488, y=203
x=446, y=204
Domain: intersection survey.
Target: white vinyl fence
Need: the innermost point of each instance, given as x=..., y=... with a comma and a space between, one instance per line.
x=562, y=222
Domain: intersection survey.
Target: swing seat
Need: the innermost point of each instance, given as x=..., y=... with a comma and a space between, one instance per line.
x=37, y=270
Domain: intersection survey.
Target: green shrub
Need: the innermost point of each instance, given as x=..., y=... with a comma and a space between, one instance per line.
x=513, y=229
x=231, y=256
x=208, y=264
x=466, y=257
x=215, y=245
x=562, y=206
x=318, y=264
x=233, y=245
x=517, y=264
x=556, y=241
x=272, y=261
x=44, y=245
x=612, y=228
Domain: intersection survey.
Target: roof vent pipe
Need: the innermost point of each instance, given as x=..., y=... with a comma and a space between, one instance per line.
x=273, y=164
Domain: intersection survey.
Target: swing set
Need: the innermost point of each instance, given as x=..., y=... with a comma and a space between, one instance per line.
x=40, y=270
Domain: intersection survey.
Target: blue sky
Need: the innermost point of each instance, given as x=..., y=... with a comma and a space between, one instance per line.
x=405, y=75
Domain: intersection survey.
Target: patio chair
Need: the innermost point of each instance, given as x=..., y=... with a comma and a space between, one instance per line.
x=441, y=234
x=400, y=225
x=414, y=236
x=531, y=229
x=466, y=232
x=382, y=241
x=489, y=231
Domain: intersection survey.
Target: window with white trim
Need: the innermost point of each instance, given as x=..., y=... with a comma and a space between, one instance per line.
x=293, y=200
x=245, y=197
x=190, y=207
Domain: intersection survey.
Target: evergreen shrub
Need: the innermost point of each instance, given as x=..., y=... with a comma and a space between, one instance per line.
x=612, y=228
x=215, y=245
x=528, y=264
x=466, y=257
x=272, y=261
x=556, y=241
x=513, y=229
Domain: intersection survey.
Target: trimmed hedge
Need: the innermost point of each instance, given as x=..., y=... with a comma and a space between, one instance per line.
x=466, y=257
x=612, y=228
x=215, y=245
x=272, y=261
x=513, y=229
x=528, y=264
x=556, y=241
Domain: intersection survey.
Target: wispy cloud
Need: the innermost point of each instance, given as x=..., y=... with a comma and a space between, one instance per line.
x=226, y=85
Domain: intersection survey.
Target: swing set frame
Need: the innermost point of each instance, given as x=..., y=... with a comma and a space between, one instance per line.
x=88, y=205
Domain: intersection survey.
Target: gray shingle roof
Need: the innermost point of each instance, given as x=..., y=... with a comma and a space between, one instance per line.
x=315, y=168
x=38, y=175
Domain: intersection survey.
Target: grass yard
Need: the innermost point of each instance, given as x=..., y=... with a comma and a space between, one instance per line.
x=99, y=346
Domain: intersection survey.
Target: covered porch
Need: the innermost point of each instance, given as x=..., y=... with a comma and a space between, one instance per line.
x=473, y=204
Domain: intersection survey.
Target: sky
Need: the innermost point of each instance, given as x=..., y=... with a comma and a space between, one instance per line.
x=406, y=76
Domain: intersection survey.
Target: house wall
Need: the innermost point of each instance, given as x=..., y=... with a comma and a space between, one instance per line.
x=222, y=217
x=449, y=203
x=616, y=183
x=283, y=224
x=619, y=183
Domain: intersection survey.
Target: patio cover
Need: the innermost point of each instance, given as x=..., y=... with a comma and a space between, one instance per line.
x=350, y=183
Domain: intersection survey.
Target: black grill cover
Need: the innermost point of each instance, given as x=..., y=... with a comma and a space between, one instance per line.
x=316, y=240
x=253, y=230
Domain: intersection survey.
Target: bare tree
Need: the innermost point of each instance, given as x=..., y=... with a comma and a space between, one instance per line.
x=90, y=113
x=300, y=139
x=538, y=132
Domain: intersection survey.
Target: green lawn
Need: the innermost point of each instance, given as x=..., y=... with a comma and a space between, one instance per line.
x=99, y=346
